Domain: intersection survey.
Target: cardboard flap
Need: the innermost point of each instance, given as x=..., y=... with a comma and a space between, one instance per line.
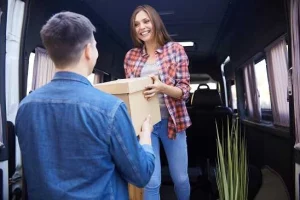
x=123, y=86
x=130, y=91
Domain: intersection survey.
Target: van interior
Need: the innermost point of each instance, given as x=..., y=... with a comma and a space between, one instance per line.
x=240, y=58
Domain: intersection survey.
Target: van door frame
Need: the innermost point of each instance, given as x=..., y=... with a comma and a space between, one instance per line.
x=3, y=6
x=4, y=150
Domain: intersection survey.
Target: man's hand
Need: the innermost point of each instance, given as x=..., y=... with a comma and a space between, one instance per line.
x=147, y=128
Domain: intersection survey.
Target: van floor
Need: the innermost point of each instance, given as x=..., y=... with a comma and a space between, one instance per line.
x=167, y=187
x=272, y=188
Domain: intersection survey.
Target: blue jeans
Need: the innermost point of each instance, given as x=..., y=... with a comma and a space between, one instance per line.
x=176, y=152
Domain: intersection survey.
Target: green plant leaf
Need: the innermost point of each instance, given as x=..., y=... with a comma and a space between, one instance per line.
x=232, y=166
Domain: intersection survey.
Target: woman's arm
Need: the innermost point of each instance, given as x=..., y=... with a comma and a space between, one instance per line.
x=181, y=90
x=126, y=66
x=161, y=87
x=182, y=78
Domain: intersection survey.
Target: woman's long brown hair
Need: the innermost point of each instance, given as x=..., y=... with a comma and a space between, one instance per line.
x=160, y=32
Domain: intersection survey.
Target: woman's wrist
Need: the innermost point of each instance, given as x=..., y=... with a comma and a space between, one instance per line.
x=163, y=88
x=171, y=91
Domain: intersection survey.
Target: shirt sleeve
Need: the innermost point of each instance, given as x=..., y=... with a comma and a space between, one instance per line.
x=126, y=66
x=134, y=162
x=182, y=78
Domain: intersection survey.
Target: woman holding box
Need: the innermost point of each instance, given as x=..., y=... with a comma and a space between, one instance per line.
x=166, y=62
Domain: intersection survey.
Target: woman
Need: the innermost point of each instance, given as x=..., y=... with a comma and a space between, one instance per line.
x=166, y=62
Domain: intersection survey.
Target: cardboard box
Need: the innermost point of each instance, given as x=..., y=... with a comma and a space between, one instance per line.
x=135, y=193
x=131, y=92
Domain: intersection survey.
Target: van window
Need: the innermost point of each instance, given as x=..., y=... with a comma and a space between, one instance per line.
x=30, y=72
x=233, y=97
x=91, y=78
x=263, y=84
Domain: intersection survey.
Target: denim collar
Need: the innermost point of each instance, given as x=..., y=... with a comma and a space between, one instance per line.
x=71, y=76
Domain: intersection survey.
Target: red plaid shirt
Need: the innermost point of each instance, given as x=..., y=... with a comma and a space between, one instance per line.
x=174, y=71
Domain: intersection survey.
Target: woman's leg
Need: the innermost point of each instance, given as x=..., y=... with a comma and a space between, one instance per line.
x=176, y=152
x=151, y=191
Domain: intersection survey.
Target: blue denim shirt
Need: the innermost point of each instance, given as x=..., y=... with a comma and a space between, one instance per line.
x=78, y=143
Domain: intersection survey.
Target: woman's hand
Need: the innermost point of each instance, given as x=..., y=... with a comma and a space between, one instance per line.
x=154, y=88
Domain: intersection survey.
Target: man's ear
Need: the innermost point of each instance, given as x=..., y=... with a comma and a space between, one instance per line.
x=88, y=51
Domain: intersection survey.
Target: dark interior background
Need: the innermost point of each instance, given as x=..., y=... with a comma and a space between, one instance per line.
x=111, y=48
x=239, y=29
x=219, y=28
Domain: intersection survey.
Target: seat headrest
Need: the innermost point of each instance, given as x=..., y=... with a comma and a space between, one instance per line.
x=206, y=98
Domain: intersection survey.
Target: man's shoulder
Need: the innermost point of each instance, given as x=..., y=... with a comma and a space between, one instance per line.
x=101, y=95
x=89, y=97
x=32, y=96
x=100, y=100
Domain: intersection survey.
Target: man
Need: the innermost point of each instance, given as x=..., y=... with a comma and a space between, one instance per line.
x=76, y=141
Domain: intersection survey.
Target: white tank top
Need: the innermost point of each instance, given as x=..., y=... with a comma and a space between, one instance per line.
x=150, y=69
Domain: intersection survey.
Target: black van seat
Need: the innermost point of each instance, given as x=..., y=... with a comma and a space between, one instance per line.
x=206, y=109
x=206, y=99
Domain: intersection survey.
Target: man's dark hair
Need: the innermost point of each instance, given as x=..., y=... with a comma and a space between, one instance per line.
x=65, y=35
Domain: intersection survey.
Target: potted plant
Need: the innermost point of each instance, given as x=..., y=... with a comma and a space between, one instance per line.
x=232, y=166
